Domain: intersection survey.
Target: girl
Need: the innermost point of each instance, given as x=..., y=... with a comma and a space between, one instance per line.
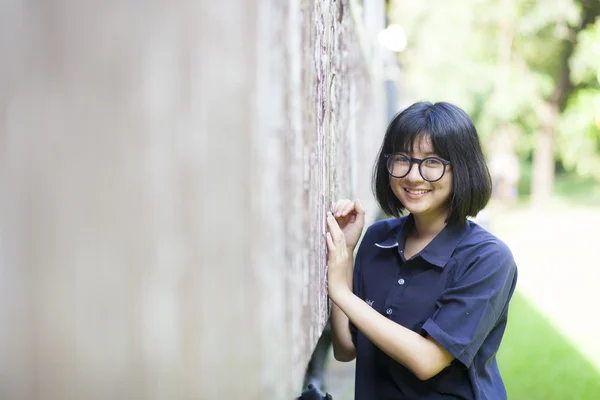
x=425, y=307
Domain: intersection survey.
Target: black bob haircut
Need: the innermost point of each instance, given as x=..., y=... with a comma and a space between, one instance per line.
x=454, y=138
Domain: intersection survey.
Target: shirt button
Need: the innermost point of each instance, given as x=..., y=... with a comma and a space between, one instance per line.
x=400, y=281
x=388, y=311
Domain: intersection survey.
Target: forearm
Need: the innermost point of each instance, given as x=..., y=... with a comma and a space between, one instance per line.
x=343, y=347
x=421, y=355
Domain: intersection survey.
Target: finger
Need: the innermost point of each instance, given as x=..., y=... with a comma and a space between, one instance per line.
x=335, y=206
x=359, y=207
x=334, y=229
x=341, y=205
x=337, y=239
x=348, y=208
x=329, y=240
x=360, y=211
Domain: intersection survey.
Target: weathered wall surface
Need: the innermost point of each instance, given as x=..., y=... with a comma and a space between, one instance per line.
x=165, y=168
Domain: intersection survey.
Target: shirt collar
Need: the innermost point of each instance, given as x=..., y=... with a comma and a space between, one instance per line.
x=438, y=251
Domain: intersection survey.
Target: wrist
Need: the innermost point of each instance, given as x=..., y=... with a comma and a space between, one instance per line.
x=337, y=290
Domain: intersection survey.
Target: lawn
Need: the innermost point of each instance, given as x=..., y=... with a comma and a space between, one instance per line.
x=550, y=350
x=538, y=363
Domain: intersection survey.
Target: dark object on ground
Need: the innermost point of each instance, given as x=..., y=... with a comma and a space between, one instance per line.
x=312, y=393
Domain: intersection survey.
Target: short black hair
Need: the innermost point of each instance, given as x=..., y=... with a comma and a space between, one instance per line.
x=454, y=138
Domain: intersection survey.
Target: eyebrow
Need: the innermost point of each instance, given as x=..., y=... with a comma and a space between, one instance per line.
x=427, y=154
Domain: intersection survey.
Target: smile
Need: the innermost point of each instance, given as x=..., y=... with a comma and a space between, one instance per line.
x=416, y=192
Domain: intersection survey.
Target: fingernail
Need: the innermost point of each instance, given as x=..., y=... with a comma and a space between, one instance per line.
x=329, y=214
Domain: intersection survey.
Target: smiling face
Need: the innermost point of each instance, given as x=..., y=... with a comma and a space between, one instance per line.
x=428, y=200
x=423, y=128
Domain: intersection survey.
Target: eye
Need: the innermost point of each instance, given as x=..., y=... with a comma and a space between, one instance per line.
x=432, y=163
x=400, y=158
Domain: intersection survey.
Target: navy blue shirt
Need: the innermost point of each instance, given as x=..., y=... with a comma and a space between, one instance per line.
x=457, y=290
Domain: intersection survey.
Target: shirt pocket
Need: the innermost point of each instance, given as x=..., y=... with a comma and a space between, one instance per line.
x=417, y=300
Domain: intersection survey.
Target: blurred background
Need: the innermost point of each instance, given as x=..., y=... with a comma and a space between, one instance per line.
x=166, y=166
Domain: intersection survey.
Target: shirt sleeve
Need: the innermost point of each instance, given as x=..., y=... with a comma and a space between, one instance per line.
x=468, y=311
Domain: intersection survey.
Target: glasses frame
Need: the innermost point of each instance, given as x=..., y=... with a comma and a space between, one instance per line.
x=419, y=162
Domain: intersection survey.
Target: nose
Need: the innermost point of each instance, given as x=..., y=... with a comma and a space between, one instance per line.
x=413, y=173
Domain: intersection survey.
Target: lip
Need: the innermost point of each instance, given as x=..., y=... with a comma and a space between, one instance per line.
x=413, y=195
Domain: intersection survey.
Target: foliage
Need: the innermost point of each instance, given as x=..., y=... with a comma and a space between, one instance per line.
x=579, y=133
x=579, y=126
x=585, y=64
x=502, y=62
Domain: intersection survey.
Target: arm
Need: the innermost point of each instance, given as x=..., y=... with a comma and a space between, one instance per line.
x=343, y=347
x=423, y=356
x=466, y=312
x=350, y=217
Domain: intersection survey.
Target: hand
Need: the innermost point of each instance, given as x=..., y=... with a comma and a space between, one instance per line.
x=350, y=217
x=339, y=258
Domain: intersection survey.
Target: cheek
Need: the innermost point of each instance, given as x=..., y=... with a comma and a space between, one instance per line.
x=395, y=186
x=445, y=187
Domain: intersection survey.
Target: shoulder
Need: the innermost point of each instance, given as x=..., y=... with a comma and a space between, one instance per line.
x=383, y=230
x=479, y=246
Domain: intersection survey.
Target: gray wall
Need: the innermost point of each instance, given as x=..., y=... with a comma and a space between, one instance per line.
x=164, y=173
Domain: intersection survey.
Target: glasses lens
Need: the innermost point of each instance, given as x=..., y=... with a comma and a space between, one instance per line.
x=398, y=165
x=432, y=169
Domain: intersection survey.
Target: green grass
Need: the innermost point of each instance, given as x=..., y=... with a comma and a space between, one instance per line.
x=538, y=363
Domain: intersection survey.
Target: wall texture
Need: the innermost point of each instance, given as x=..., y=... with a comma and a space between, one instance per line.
x=165, y=167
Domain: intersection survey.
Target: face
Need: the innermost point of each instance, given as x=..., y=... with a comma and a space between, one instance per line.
x=422, y=198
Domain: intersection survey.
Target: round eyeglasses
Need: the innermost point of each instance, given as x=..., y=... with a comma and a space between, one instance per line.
x=432, y=169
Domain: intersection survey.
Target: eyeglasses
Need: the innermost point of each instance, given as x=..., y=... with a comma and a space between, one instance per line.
x=432, y=169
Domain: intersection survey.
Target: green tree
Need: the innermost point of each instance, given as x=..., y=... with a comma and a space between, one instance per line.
x=508, y=63
x=578, y=133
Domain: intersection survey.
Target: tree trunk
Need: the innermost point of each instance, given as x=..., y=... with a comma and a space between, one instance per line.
x=543, y=159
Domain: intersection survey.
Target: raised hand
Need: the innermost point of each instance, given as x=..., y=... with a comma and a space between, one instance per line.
x=350, y=217
x=339, y=258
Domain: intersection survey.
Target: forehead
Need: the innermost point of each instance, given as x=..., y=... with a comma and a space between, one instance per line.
x=420, y=145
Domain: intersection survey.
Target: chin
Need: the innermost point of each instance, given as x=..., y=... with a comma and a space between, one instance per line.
x=417, y=210
x=413, y=208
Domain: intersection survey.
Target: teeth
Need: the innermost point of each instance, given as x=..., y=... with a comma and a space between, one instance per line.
x=416, y=191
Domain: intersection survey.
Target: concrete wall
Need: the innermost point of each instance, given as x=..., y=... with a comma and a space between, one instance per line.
x=165, y=168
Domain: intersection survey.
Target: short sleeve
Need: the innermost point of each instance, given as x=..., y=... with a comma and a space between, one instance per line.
x=468, y=311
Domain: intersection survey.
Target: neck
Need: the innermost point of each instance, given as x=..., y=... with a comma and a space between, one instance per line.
x=427, y=226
